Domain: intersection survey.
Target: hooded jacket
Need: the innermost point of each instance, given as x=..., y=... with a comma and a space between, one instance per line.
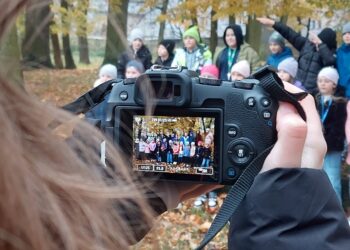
x=311, y=60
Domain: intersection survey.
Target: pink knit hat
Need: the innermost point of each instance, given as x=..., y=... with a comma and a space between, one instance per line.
x=241, y=67
x=210, y=71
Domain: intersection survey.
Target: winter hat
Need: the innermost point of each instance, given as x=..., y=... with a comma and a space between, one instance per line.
x=277, y=38
x=136, y=34
x=346, y=28
x=329, y=37
x=330, y=73
x=241, y=67
x=193, y=32
x=137, y=65
x=237, y=30
x=210, y=70
x=108, y=70
x=169, y=45
x=289, y=65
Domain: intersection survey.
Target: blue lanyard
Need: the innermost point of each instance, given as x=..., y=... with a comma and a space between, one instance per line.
x=324, y=112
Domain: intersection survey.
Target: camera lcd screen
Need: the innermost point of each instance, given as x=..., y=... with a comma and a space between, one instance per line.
x=174, y=144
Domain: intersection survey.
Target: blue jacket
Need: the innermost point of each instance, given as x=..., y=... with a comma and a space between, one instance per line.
x=343, y=66
x=275, y=59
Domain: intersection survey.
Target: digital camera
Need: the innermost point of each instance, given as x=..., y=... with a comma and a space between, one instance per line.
x=174, y=125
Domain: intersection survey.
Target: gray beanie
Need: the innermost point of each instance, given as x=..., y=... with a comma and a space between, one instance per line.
x=136, y=34
x=289, y=65
x=330, y=73
x=346, y=28
x=137, y=65
x=277, y=38
x=108, y=70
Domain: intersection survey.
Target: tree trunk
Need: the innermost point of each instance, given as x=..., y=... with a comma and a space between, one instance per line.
x=56, y=51
x=162, y=24
x=66, y=42
x=116, y=42
x=213, y=33
x=10, y=57
x=36, y=43
x=82, y=34
x=253, y=34
x=232, y=19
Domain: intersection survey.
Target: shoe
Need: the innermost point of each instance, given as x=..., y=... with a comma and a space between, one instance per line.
x=198, y=203
x=212, y=202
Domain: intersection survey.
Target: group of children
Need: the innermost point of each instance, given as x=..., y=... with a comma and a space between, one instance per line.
x=185, y=150
x=317, y=70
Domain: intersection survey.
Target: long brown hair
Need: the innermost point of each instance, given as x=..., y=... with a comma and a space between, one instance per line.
x=55, y=193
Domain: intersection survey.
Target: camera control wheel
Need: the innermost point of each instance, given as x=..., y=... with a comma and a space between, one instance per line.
x=241, y=151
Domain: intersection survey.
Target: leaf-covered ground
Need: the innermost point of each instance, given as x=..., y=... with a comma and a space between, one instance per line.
x=182, y=228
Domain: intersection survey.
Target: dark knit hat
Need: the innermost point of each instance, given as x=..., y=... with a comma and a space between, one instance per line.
x=277, y=38
x=237, y=30
x=169, y=45
x=137, y=65
x=329, y=37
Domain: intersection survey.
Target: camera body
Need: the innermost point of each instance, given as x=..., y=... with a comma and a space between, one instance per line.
x=174, y=125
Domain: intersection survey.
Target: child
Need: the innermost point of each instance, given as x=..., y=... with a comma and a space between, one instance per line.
x=192, y=153
x=134, y=69
x=210, y=71
x=287, y=70
x=165, y=53
x=240, y=70
x=107, y=72
x=332, y=111
x=278, y=50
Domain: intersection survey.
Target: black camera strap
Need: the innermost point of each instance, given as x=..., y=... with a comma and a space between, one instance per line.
x=274, y=86
x=90, y=98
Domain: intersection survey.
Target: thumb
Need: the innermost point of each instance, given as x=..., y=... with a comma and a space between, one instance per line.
x=291, y=135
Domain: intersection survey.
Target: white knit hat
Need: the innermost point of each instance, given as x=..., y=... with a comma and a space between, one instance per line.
x=136, y=34
x=330, y=73
x=289, y=65
x=241, y=67
x=108, y=70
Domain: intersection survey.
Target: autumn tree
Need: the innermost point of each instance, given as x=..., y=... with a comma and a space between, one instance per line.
x=36, y=43
x=116, y=41
x=10, y=57
x=82, y=29
x=66, y=36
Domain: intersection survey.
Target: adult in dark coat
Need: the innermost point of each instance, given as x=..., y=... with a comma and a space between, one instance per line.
x=314, y=53
x=137, y=51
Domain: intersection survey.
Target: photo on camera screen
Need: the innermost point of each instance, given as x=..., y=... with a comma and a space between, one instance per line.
x=169, y=144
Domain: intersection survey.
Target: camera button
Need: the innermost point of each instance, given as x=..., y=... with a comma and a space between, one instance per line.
x=266, y=114
x=123, y=95
x=251, y=102
x=241, y=152
x=231, y=172
x=232, y=131
x=243, y=85
x=265, y=102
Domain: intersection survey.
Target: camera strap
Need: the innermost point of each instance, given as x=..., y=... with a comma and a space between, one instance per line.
x=274, y=86
x=91, y=98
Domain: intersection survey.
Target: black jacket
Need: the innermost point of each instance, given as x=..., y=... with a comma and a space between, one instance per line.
x=167, y=62
x=310, y=60
x=334, y=124
x=290, y=209
x=143, y=55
